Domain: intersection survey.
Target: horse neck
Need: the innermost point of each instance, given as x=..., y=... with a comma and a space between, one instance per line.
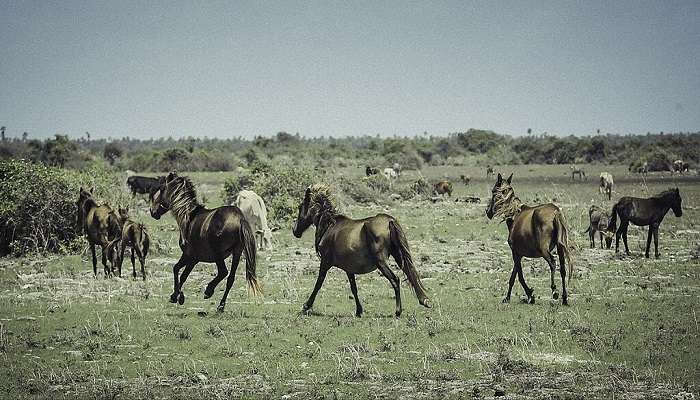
x=664, y=202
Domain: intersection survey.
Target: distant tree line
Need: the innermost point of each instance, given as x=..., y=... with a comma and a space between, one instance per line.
x=473, y=147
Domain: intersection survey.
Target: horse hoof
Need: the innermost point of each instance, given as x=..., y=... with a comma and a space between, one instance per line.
x=208, y=293
x=397, y=314
x=426, y=303
x=531, y=300
x=555, y=295
x=220, y=308
x=173, y=298
x=565, y=302
x=306, y=310
x=505, y=300
x=181, y=299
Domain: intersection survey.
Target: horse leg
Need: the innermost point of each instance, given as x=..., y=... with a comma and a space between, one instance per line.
x=395, y=283
x=511, y=281
x=323, y=270
x=142, y=261
x=94, y=259
x=562, y=270
x=353, y=289
x=591, y=238
x=656, y=241
x=183, y=279
x=552, y=269
x=617, y=239
x=646, y=253
x=528, y=291
x=624, y=237
x=231, y=277
x=108, y=271
x=600, y=236
x=176, y=272
x=221, y=273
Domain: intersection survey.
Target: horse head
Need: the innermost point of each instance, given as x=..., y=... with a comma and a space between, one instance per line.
x=676, y=203
x=496, y=194
x=305, y=216
x=159, y=197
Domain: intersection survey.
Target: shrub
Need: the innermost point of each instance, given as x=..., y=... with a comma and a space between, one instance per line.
x=37, y=204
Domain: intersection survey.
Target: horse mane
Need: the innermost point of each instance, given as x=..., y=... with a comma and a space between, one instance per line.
x=323, y=203
x=506, y=203
x=665, y=193
x=182, y=198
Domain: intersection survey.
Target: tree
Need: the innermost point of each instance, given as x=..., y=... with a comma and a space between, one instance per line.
x=57, y=151
x=111, y=152
x=2, y=133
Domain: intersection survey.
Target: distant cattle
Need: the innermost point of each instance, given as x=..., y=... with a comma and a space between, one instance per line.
x=390, y=173
x=465, y=179
x=606, y=184
x=397, y=168
x=576, y=170
x=255, y=212
x=443, y=187
x=369, y=171
x=144, y=184
x=680, y=166
x=489, y=171
x=599, y=220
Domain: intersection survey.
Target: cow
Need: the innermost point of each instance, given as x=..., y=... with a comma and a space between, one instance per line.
x=255, y=212
x=369, y=171
x=144, y=184
x=606, y=184
x=599, y=220
x=443, y=187
x=390, y=174
x=680, y=166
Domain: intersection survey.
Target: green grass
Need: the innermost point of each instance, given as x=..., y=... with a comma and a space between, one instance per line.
x=631, y=330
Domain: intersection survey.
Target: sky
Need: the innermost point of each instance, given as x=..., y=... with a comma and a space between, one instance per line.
x=239, y=68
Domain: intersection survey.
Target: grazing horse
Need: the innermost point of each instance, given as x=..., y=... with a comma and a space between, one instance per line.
x=465, y=179
x=369, y=171
x=255, y=212
x=643, y=212
x=598, y=222
x=443, y=187
x=680, y=166
x=606, y=184
x=205, y=236
x=134, y=236
x=100, y=224
x=533, y=232
x=576, y=170
x=489, y=171
x=357, y=246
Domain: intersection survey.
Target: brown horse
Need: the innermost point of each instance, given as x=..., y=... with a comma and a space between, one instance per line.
x=135, y=237
x=443, y=187
x=205, y=236
x=100, y=225
x=643, y=212
x=533, y=232
x=598, y=222
x=357, y=246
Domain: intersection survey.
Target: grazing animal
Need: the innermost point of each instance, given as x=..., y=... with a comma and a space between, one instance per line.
x=143, y=184
x=357, y=246
x=489, y=171
x=533, y=232
x=206, y=235
x=599, y=221
x=465, y=179
x=643, y=212
x=100, y=225
x=576, y=170
x=680, y=166
x=643, y=169
x=397, y=167
x=369, y=171
x=443, y=187
x=134, y=236
x=255, y=212
x=390, y=174
x=606, y=184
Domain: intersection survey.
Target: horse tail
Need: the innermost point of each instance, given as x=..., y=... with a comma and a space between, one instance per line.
x=612, y=226
x=248, y=240
x=402, y=255
x=563, y=243
x=143, y=240
x=587, y=229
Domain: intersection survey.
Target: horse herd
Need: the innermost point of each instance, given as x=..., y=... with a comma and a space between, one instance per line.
x=357, y=246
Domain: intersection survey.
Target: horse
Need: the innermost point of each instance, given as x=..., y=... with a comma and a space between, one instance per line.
x=489, y=171
x=680, y=166
x=390, y=174
x=357, y=246
x=576, y=170
x=369, y=171
x=643, y=212
x=397, y=167
x=255, y=212
x=465, y=179
x=533, y=232
x=100, y=225
x=606, y=184
x=443, y=187
x=133, y=235
x=598, y=222
x=206, y=235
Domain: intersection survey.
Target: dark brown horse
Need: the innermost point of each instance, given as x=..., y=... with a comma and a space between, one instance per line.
x=357, y=246
x=100, y=225
x=599, y=220
x=134, y=236
x=205, y=236
x=643, y=212
x=443, y=187
x=533, y=232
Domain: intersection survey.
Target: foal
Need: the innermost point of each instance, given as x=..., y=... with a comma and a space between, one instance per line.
x=134, y=236
x=533, y=232
x=643, y=212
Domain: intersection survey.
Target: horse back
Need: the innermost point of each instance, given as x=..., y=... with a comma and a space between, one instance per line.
x=354, y=244
x=214, y=233
x=532, y=230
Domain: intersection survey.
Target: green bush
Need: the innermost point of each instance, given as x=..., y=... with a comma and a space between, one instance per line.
x=37, y=204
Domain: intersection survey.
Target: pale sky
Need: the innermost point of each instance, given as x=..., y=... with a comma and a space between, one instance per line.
x=233, y=68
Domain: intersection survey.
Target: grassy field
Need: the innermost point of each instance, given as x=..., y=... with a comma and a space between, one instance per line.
x=631, y=330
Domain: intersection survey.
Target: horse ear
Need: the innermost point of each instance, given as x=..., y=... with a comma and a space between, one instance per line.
x=307, y=195
x=499, y=178
x=171, y=176
x=510, y=178
x=92, y=190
